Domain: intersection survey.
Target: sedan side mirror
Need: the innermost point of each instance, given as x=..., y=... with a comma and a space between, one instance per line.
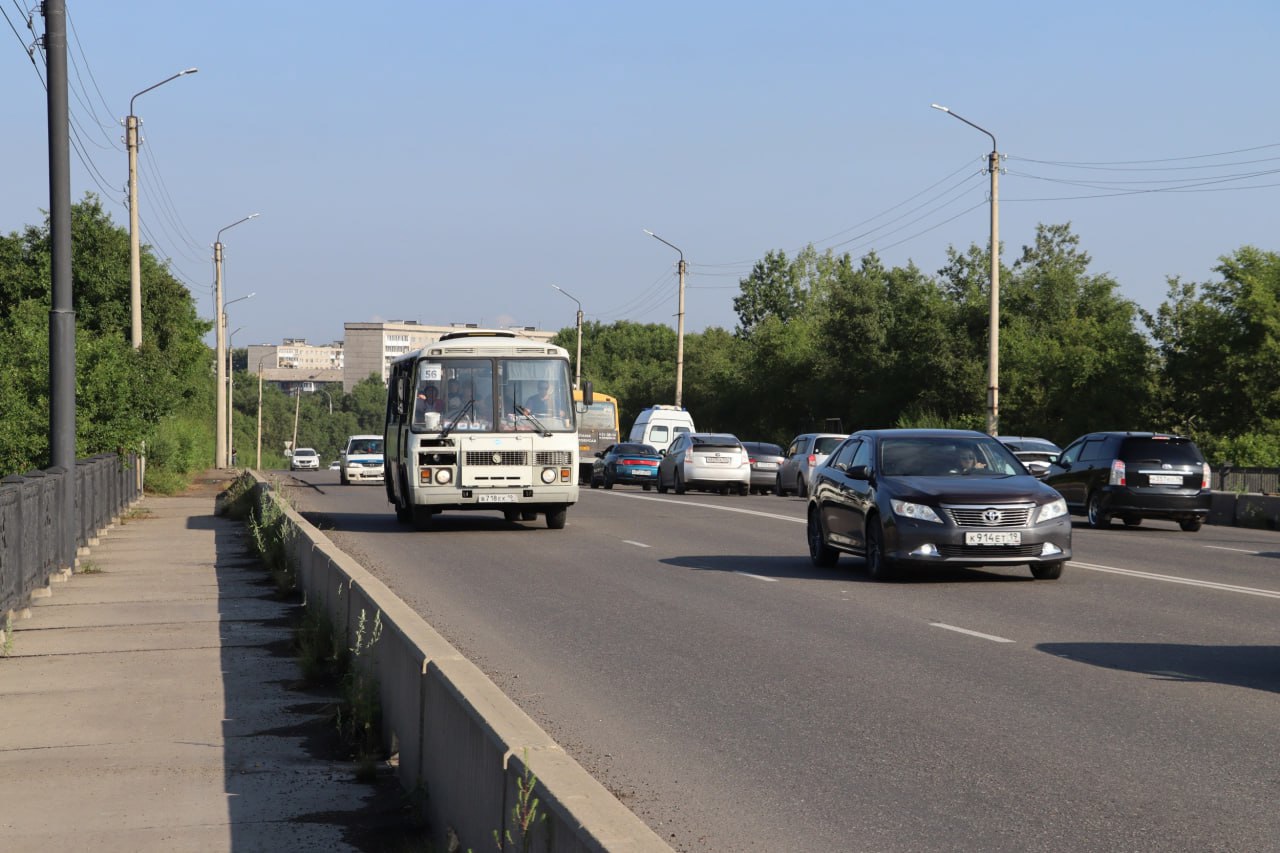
x=860, y=472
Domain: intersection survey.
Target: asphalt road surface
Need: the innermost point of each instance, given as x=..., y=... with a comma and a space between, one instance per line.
x=685, y=651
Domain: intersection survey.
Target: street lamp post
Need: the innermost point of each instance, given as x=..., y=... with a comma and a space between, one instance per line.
x=330, y=396
x=679, y=321
x=577, y=377
x=258, y=464
x=135, y=264
x=231, y=405
x=220, y=458
x=993, y=336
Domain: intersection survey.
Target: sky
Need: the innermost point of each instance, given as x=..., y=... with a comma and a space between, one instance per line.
x=449, y=162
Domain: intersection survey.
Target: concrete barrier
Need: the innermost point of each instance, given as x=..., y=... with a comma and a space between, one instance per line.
x=1222, y=508
x=1258, y=511
x=460, y=740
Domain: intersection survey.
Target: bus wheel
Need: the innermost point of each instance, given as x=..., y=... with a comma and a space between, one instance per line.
x=557, y=517
x=403, y=514
x=511, y=515
x=421, y=517
x=528, y=515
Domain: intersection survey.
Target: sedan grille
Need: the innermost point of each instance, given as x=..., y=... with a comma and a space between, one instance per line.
x=990, y=551
x=986, y=517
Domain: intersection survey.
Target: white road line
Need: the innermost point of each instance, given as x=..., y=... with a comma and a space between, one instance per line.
x=1225, y=548
x=757, y=577
x=992, y=637
x=1224, y=587
x=707, y=506
x=633, y=542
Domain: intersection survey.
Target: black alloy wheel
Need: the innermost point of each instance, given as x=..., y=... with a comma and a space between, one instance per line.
x=1098, y=518
x=1191, y=526
x=820, y=553
x=679, y=486
x=1047, y=571
x=879, y=567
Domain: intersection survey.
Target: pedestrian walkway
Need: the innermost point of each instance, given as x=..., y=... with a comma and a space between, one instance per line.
x=151, y=702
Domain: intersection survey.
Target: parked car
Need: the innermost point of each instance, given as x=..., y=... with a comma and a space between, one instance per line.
x=934, y=498
x=1133, y=475
x=335, y=465
x=304, y=459
x=765, y=459
x=805, y=453
x=703, y=460
x=361, y=460
x=1035, y=453
x=630, y=462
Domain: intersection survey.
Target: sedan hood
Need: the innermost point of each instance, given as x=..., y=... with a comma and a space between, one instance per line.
x=1019, y=488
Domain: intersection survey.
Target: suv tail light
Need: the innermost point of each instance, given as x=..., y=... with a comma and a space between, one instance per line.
x=1117, y=472
x=813, y=460
x=1204, y=481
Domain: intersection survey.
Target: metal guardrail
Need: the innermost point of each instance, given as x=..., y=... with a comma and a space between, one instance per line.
x=1259, y=481
x=32, y=539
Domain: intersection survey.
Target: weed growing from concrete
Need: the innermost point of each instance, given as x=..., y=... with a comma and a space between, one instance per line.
x=271, y=532
x=88, y=567
x=135, y=513
x=6, y=636
x=524, y=814
x=237, y=501
x=360, y=717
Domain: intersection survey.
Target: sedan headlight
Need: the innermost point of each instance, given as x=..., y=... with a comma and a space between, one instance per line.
x=1052, y=510
x=919, y=512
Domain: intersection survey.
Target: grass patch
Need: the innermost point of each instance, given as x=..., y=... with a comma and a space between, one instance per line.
x=134, y=514
x=89, y=567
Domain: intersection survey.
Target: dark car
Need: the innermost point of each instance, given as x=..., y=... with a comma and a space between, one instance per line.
x=625, y=463
x=1035, y=453
x=1132, y=476
x=765, y=459
x=933, y=498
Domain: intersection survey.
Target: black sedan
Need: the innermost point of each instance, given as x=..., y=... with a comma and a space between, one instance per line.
x=934, y=497
x=626, y=463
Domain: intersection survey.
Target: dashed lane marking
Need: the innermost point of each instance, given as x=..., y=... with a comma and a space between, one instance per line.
x=992, y=637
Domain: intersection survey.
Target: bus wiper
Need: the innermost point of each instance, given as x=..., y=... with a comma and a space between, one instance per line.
x=523, y=412
x=471, y=404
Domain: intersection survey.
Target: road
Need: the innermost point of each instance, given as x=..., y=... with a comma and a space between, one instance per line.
x=684, y=650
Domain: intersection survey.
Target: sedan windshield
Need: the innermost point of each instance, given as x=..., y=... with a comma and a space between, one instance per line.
x=946, y=456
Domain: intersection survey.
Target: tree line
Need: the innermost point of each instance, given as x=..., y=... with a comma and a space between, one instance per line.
x=819, y=336
x=824, y=337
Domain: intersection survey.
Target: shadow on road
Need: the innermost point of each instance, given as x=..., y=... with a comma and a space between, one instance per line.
x=1255, y=667
x=846, y=570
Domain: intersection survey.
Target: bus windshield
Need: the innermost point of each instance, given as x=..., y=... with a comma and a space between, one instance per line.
x=493, y=395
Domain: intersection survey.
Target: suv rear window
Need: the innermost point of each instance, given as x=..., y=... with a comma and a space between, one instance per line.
x=827, y=443
x=725, y=441
x=1175, y=451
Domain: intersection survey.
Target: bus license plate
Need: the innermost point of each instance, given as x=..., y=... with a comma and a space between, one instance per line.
x=496, y=499
x=992, y=538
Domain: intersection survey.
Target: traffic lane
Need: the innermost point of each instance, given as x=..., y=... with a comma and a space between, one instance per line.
x=1226, y=554
x=736, y=710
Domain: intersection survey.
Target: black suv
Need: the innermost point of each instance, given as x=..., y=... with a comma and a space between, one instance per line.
x=1132, y=476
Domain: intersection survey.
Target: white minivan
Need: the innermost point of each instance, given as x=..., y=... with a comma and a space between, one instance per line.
x=658, y=426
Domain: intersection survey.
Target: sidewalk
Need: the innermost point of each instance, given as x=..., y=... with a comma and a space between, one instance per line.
x=150, y=703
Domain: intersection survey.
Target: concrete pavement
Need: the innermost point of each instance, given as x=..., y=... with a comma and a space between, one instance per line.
x=151, y=702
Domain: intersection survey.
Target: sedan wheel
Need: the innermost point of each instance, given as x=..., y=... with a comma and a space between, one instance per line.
x=1047, y=571
x=679, y=487
x=1190, y=526
x=822, y=554
x=1098, y=519
x=879, y=567
x=608, y=481
x=595, y=484
x=802, y=489
x=777, y=488
x=662, y=487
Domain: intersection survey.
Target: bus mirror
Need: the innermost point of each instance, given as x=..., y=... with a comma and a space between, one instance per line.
x=588, y=393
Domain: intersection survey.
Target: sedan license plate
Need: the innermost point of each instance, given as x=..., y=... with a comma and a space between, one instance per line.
x=641, y=472
x=770, y=466
x=723, y=459
x=1164, y=479
x=983, y=537
x=496, y=499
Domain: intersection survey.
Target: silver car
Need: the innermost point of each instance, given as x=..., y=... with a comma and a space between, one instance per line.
x=765, y=460
x=806, y=452
x=714, y=462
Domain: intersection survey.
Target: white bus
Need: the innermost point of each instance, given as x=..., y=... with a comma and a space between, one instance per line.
x=482, y=420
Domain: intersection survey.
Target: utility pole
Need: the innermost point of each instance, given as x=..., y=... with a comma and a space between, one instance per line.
x=220, y=456
x=679, y=321
x=135, y=263
x=62, y=316
x=993, y=333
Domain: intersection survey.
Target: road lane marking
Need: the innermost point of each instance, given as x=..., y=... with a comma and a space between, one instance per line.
x=992, y=637
x=708, y=506
x=1225, y=548
x=1224, y=587
x=757, y=577
x=633, y=542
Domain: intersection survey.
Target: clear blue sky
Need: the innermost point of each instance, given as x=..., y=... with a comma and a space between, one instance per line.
x=449, y=162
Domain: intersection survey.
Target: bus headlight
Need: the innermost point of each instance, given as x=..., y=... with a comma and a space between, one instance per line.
x=548, y=475
x=444, y=476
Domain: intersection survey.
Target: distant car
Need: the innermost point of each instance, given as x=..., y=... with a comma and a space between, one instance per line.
x=361, y=460
x=304, y=459
x=1035, y=453
x=629, y=462
x=934, y=498
x=709, y=461
x=335, y=465
x=765, y=459
x=1132, y=476
x=806, y=452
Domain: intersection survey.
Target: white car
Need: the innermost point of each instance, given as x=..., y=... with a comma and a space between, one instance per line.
x=304, y=459
x=713, y=462
x=335, y=465
x=361, y=460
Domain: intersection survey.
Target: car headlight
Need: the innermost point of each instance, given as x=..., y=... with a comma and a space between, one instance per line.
x=1052, y=510
x=918, y=512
